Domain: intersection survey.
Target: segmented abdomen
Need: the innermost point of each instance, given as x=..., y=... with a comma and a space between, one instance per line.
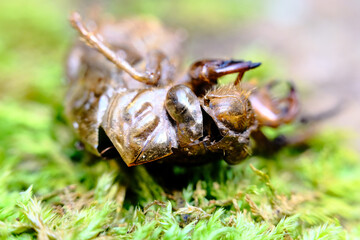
x=137, y=124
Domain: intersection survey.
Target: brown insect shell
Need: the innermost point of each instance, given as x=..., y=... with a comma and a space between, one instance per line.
x=184, y=108
x=230, y=108
x=137, y=124
x=86, y=102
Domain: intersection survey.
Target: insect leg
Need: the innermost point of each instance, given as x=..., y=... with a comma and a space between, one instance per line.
x=99, y=44
x=159, y=68
x=234, y=148
x=204, y=74
x=266, y=146
x=270, y=112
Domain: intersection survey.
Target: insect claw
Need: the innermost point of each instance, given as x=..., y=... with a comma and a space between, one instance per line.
x=232, y=66
x=293, y=102
x=254, y=65
x=250, y=65
x=269, y=111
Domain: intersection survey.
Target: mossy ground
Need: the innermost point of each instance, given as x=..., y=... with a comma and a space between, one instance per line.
x=51, y=190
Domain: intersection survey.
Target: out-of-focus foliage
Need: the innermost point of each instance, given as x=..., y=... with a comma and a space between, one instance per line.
x=50, y=190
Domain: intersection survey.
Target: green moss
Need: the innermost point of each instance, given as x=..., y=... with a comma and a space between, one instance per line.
x=50, y=190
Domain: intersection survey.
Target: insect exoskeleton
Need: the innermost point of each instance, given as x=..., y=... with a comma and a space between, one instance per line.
x=184, y=108
x=230, y=108
x=138, y=125
x=129, y=99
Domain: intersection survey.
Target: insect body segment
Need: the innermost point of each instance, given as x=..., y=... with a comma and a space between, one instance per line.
x=128, y=99
x=138, y=126
x=184, y=108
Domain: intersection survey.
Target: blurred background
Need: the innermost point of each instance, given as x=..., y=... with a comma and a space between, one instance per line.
x=313, y=43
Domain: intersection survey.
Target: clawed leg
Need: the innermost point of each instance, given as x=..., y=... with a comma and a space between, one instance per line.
x=273, y=113
x=151, y=75
x=204, y=74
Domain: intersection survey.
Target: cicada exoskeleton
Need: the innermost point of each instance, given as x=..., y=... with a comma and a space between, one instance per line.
x=129, y=99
